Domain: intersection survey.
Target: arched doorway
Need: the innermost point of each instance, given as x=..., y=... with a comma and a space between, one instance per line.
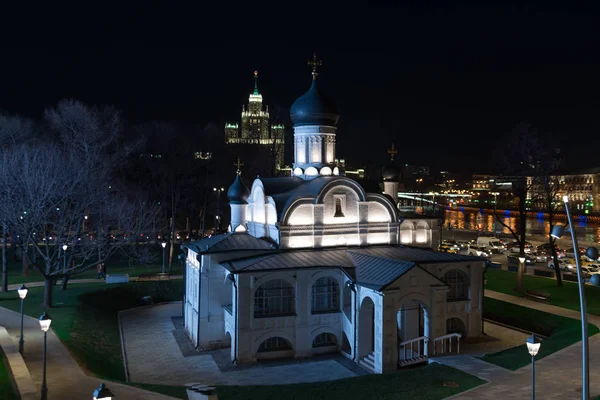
x=455, y=325
x=346, y=347
x=227, y=341
x=413, y=322
x=366, y=328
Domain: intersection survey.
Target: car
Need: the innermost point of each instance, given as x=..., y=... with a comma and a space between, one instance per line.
x=589, y=270
x=529, y=260
x=493, y=244
x=570, y=252
x=564, y=264
x=476, y=251
x=546, y=249
x=540, y=257
x=514, y=247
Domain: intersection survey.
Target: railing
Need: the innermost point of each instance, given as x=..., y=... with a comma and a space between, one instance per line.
x=444, y=343
x=408, y=346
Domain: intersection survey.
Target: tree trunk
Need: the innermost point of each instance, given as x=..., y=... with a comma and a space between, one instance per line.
x=172, y=244
x=522, y=237
x=4, y=266
x=553, y=254
x=48, y=285
x=65, y=280
x=25, y=260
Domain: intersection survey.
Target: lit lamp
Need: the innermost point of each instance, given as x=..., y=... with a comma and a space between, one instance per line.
x=65, y=247
x=103, y=393
x=164, y=246
x=22, y=291
x=592, y=252
x=522, y=260
x=533, y=346
x=45, y=321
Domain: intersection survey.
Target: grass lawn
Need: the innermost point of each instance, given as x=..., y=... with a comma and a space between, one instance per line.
x=415, y=384
x=566, y=296
x=560, y=331
x=117, y=264
x=85, y=320
x=6, y=389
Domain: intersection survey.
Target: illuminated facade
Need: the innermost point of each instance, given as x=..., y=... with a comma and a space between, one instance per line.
x=313, y=264
x=583, y=191
x=255, y=128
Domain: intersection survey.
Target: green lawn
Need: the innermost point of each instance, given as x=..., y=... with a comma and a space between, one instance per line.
x=415, y=384
x=85, y=319
x=7, y=392
x=566, y=296
x=560, y=331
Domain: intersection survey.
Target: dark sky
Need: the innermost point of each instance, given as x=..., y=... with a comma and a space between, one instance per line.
x=444, y=82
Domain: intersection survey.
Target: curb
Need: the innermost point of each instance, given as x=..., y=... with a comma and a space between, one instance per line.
x=17, y=368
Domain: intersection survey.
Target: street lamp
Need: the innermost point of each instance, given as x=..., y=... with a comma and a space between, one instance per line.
x=164, y=246
x=557, y=232
x=65, y=247
x=533, y=346
x=45, y=321
x=22, y=294
x=217, y=219
x=103, y=393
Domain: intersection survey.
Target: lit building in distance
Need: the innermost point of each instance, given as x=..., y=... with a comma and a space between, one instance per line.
x=313, y=264
x=256, y=131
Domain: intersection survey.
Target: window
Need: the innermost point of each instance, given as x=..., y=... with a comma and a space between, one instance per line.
x=338, y=208
x=459, y=287
x=274, y=298
x=274, y=344
x=325, y=339
x=455, y=325
x=325, y=295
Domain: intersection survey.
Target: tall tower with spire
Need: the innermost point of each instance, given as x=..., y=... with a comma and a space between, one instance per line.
x=315, y=120
x=255, y=129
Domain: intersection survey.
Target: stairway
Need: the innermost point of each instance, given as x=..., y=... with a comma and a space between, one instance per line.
x=368, y=362
x=413, y=361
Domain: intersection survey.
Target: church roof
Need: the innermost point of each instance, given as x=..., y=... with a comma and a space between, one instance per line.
x=374, y=267
x=314, y=108
x=230, y=241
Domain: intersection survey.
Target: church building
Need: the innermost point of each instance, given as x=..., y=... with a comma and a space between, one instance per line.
x=313, y=264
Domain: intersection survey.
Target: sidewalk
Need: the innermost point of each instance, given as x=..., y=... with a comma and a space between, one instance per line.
x=558, y=376
x=65, y=379
x=87, y=280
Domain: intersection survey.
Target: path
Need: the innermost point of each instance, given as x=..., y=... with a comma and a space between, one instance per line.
x=148, y=335
x=558, y=376
x=75, y=281
x=65, y=379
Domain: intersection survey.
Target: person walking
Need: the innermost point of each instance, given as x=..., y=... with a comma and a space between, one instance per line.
x=101, y=271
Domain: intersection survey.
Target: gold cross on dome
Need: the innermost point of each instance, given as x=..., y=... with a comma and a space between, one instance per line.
x=392, y=152
x=314, y=63
x=238, y=164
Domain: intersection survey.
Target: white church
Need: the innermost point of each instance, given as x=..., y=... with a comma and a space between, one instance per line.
x=312, y=264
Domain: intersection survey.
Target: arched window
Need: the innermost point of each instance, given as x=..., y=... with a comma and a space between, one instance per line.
x=325, y=339
x=274, y=298
x=459, y=285
x=455, y=325
x=275, y=343
x=325, y=295
x=405, y=234
x=338, y=208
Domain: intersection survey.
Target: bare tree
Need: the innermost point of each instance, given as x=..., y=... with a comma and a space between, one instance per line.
x=14, y=131
x=65, y=194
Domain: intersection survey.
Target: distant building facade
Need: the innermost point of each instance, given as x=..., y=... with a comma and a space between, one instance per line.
x=256, y=135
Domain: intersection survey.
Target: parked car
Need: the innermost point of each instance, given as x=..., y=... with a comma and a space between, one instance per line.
x=563, y=263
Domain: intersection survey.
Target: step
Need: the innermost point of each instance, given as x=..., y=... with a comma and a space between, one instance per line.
x=413, y=361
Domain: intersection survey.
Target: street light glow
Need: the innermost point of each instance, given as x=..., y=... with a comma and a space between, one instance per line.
x=22, y=292
x=103, y=393
x=533, y=345
x=65, y=247
x=164, y=244
x=522, y=260
x=45, y=322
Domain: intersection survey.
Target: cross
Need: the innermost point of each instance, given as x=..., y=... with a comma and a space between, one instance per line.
x=392, y=152
x=238, y=164
x=314, y=63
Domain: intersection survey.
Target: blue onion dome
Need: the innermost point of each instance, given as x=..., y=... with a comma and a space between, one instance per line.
x=313, y=108
x=238, y=192
x=391, y=173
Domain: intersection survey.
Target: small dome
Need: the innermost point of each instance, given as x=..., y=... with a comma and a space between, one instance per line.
x=391, y=173
x=313, y=108
x=238, y=192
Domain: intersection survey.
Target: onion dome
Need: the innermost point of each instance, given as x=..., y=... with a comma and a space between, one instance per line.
x=391, y=173
x=238, y=192
x=314, y=108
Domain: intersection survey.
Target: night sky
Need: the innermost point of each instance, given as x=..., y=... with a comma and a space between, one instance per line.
x=444, y=82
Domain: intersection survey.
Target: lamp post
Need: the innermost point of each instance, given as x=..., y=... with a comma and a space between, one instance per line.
x=217, y=217
x=495, y=208
x=164, y=246
x=520, y=273
x=592, y=252
x=103, y=393
x=533, y=346
x=65, y=247
x=22, y=294
x=45, y=321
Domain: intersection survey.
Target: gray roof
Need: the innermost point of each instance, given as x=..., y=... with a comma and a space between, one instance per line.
x=231, y=241
x=374, y=267
x=375, y=272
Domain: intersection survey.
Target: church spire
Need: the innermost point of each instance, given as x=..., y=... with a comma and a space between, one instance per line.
x=314, y=63
x=255, y=82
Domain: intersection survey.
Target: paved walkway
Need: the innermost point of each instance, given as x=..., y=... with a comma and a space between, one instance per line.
x=65, y=379
x=72, y=281
x=145, y=328
x=558, y=376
